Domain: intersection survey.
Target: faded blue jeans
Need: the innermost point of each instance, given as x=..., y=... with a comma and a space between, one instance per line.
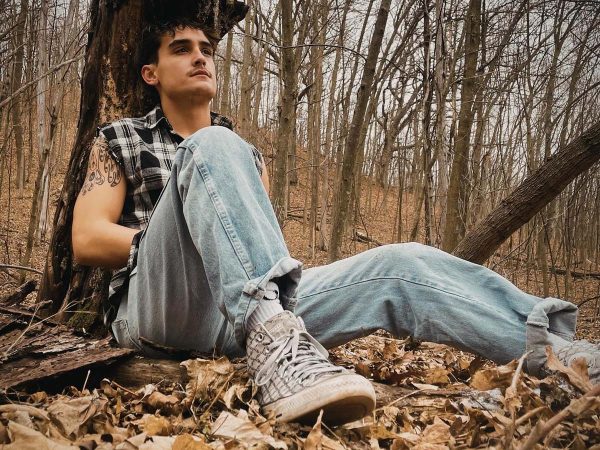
x=213, y=243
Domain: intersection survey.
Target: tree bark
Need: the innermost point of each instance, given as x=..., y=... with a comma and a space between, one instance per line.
x=16, y=81
x=224, y=104
x=111, y=88
x=244, y=115
x=287, y=113
x=351, y=152
x=531, y=196
x=43, y=142
x=456, y=207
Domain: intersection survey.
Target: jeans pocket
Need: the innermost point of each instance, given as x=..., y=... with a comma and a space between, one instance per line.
x=123, y=336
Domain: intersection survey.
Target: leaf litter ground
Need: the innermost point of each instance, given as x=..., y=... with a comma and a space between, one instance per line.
x=430, y=397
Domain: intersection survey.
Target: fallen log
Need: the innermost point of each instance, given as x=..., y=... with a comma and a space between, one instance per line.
x=360, y=237
x=20, y=293
x=35, y=352
x=575, y=273
x=137, y=371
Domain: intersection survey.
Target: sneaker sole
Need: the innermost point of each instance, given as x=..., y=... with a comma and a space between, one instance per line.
x=343, y=399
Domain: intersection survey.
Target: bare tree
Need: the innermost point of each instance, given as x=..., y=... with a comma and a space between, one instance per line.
x=287, y=112
x=456, y=206
x=351, y=150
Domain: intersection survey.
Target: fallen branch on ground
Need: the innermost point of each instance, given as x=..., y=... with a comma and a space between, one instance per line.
x=584, y=404
x=29, y=269
x=20, y=293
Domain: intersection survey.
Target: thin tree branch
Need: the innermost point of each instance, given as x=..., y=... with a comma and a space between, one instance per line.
x=30, y=269
x=15, y=94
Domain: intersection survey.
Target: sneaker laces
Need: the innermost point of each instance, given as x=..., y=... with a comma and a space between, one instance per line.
x=298, y=355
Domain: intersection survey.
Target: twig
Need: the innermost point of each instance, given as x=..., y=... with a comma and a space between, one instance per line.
x=20, y=293
x=217, y=395
x=87, y=377
x=35, y=80
x=359, y=237
x=525, y=417
x=574, y=273
x=399, y=399
x=589, y=299
x=576, y=407
x=30, y=269
x=511, y=393
x=118, y=386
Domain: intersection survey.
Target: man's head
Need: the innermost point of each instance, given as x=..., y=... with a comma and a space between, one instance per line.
x=177, y=61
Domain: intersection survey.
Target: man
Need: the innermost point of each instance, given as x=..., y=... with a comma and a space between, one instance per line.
x=210, y=270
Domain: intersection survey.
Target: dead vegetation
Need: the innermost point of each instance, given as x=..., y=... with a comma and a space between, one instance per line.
x=434, y=397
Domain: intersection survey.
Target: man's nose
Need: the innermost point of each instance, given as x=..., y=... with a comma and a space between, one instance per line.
x=199, y=57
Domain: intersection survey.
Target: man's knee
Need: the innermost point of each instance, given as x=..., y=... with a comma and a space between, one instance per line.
x=405, y=250
x=213, y=138
x=218, y=145
x=211, y=133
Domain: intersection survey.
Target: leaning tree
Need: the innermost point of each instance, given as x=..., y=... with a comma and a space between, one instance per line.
x=110, y=89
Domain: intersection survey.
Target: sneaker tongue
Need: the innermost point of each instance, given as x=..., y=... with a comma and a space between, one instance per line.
x=282, y=323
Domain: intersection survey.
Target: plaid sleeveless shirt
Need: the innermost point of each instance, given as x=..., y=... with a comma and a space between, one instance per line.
x=144, y=148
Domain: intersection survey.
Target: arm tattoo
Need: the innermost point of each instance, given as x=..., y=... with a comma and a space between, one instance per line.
x=101, y=167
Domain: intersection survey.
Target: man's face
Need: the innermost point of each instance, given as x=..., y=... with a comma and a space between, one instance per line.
x=185, y=68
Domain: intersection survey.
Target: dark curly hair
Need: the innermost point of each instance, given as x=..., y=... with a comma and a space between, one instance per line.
x=150, y=43
x=152, y=34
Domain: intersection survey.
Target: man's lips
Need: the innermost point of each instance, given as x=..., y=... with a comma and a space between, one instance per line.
x=200, y=72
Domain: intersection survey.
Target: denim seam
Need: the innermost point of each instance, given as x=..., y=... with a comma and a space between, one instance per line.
x=245, y=301
x=224, y=218
x=300, y=297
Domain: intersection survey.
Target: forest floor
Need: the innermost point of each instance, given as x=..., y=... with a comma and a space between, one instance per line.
x=443, y=398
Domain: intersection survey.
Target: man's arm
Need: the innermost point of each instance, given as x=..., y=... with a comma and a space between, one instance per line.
x=96, y=237
x=265, y=177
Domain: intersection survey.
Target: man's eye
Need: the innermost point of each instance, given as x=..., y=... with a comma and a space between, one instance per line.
x=181, y=50
x=208, y=51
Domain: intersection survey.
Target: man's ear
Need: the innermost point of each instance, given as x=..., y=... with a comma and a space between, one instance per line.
x=149, y=74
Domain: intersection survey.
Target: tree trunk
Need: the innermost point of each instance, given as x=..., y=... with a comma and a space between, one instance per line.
x=345, y=104
x=531, y=196
x=17, y=75
x=224, y=104
x=244, y=115
x=43, y=143
x=314, y=120
x=111, y=88
x=351, y=153
x=287, y=113
x=456, y=207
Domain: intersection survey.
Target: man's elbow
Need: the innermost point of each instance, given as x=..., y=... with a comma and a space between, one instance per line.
x=80, y=243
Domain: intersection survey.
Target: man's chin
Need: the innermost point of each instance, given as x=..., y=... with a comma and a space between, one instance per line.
x=198, y=95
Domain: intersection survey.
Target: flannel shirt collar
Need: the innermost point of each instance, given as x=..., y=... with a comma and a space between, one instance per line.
x=154, y=117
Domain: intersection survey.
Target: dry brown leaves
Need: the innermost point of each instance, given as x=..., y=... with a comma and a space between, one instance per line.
x=437, y=398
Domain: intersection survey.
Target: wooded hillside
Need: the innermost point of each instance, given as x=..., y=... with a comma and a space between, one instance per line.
x=442, y=118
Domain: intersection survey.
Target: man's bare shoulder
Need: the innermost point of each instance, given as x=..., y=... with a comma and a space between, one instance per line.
x=102, y=168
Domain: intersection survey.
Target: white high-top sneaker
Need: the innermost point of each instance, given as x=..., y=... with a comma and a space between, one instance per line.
x=582, y=349
x=296, y=380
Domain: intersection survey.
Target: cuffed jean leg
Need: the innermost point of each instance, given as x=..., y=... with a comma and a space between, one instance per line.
x=413, y=289
x=210, y=248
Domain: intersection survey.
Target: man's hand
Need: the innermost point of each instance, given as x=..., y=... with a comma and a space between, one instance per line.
x=96, y=237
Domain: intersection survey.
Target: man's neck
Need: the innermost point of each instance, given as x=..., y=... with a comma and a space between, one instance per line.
x=186, y=117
